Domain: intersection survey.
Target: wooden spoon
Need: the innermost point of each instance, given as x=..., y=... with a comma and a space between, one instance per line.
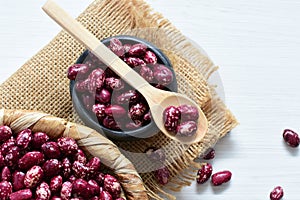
x=158, y=100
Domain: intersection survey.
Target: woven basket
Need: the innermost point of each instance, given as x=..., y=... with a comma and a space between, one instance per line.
x=89, y=140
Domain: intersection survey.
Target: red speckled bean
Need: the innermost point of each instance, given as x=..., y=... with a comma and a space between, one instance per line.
x=79, y=169
x=171, y=117
x=291, y=138
x=51, y=150
x=137, y=49
x=104, y=195
x=23, y=139
x=209, y=154
x=115, y=111
x=52, y=168
x=25, y=194
x=113, y=83
x=77, y=69
x=12, y=156
x=96, y=80
x=162, y=175
x=204, y=173
x=30, y=159
x=99, y=110
x=93, y=187
x=277, y=193
x=186, y=129
x=221, y=177
x=66, y=190
x=33, y=176
x=5, y=133
x=67, y=145
x=80, y=189
x=5, y=174
x=5, y=189
x=93, y=165
x=112, y=185
x=5, y=147
x=56, y=184
x=150, y=57
x=18, y=180
x=80, y=156
x=162, y=74
x=43, y=192
x=38, y=139
x=66, y=168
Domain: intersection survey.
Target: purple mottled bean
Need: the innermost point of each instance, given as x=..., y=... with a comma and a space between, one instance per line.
x=18, y=180
x=188, y=113
x=162, y=74
x=162, y=175
x=24, y=194
x=147, y=73
x=38, y=139
x=24, y=138
x=43, y=192
x=51, y=168
x=5, y=133
x=51, y=150
x=30, y=159
x=33, y=176
x=67, y=145
x=103, y=96
x=112, y=185
x=77, y=71
x=186, y=129
x=137, y=111
x=137, y=49
x=115, y=111
x=204, y=173
x=277, y=193
x=116, y=46
x=66, y=190
x=56, y=184
x=5, y=174
x=291, y=138
x=171, y=117
x=150, y=57
x=113, y=83
x=221, y=177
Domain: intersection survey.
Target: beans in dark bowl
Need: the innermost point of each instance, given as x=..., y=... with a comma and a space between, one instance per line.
x=107, y=103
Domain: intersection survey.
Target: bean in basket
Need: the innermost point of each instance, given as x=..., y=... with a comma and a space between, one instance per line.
x=33, y=166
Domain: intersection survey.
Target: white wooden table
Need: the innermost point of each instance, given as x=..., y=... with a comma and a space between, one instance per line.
x=256, y=44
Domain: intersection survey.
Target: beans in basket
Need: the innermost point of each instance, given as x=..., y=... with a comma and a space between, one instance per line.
x=117, y=105
x=35, y=167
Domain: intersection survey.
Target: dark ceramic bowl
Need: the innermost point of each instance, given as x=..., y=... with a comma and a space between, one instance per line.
x=89, y=118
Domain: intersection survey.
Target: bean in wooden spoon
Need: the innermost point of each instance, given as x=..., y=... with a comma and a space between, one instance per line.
x=158, y=100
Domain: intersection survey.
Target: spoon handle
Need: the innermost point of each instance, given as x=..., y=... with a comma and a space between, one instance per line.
x=86, y=38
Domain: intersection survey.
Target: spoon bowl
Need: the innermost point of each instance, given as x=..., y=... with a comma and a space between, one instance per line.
x=158, y=100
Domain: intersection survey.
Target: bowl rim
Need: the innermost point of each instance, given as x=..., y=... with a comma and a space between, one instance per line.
x=89, y=120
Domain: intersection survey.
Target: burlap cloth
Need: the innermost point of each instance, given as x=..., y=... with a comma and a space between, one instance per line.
x=41, y=84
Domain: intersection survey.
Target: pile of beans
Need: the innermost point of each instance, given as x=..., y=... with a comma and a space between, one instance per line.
x=35, y=167
x=181, y=120
x=205, y=172
x=117, y=105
